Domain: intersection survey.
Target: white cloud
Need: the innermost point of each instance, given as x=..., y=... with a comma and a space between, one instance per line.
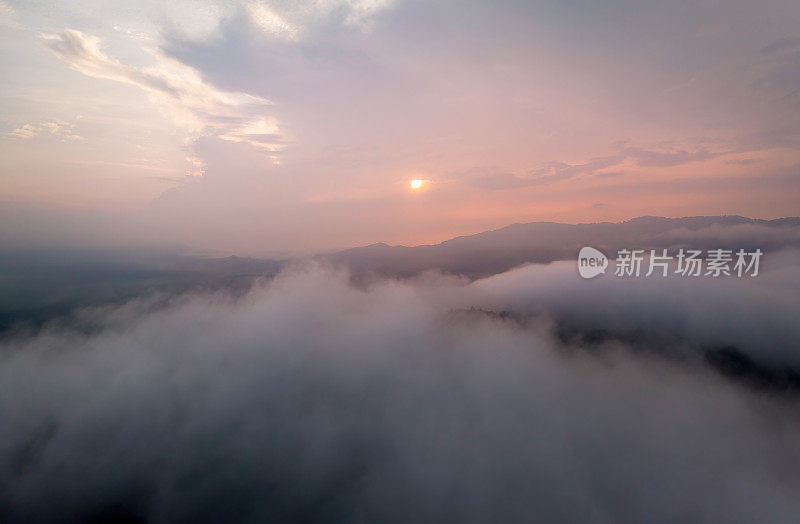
x=360, y=11
x=263, y=134
x=57, y=129
x=179, y=91
x=25, y=132
x=271, y=22
x=291, y=21
x=197, y=167
x=8, y=15
x=311, y=396
x=195, y=20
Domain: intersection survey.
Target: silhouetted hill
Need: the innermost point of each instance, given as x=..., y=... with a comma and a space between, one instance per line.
x=496, y=251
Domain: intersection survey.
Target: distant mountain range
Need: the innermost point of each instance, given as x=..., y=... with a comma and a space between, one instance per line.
x=39, y=285
x=496, y=251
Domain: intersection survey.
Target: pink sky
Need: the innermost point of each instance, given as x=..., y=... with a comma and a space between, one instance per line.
x=267, y=127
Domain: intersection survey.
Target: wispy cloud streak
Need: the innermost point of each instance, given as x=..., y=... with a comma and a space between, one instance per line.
x=178, y=90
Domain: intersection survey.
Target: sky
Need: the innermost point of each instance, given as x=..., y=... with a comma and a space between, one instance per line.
x=262, y=128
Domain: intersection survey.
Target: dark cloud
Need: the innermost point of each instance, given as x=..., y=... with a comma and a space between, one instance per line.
x=555, y=171
x=780, y=45
x=548, y=173
x=669, y=159
x=742, y=162
x=559, y=171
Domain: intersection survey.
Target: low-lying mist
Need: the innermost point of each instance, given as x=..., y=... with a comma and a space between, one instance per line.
x=432, y=399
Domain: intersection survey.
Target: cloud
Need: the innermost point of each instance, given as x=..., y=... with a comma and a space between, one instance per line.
x=311, y=399
x=546, y=174
x=742, y=162
x=555, y=171
x=780, y=45
x=8, y=15
x=416, y=81
x=179, y=91
x=263, y=133
x=295, y=21
x=752, y=314
x=551, y=172
x=58, y=129
x=359, y=13
x=25, y=132
x=271, y=22
x=647, y=158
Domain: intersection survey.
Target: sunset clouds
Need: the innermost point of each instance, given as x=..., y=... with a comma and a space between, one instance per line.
x=299, y=124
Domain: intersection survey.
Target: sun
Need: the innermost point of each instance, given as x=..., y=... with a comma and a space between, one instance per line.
x=416, y=184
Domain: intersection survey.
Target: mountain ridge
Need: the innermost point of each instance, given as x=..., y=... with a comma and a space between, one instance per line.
x=497, y=250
